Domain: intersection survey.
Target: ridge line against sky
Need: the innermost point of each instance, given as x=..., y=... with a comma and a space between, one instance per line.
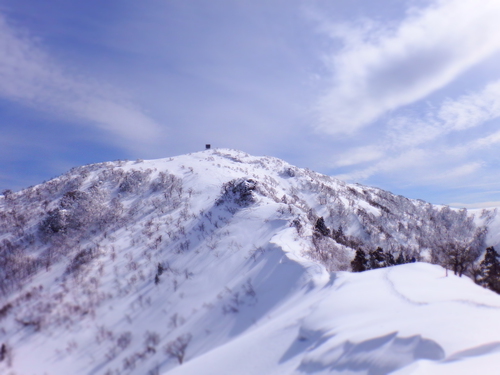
x=402, y=95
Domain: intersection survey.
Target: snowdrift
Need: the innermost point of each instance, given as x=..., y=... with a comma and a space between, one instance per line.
x=409, y=319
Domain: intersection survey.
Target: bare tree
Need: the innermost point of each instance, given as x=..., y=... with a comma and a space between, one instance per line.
x=151, y=341
x=458, y=257
x=177, y=348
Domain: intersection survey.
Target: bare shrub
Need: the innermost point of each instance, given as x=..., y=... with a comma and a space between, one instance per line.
x=177, y=348
x=151, y=341
x=81, y=259
x=124, y=340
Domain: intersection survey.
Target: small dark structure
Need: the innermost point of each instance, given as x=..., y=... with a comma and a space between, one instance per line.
x=207, y=146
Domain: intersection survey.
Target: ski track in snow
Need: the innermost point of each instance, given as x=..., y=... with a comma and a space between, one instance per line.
x=400, y=295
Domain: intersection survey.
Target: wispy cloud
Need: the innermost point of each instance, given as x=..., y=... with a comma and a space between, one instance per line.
x=30, y=76
x=478, y=205
x=358, y=155
x=462, y=170
x=382, y=68
x=411, y=159
x=412, y=143
x=465, y=112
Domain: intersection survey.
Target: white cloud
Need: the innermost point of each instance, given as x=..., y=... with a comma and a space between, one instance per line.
x=419, y=166
x=410, y=137
x=465, y=112
x=409, y=160
x=31, y=77
x=358, y=155
x=475, y=145
x=471, y=110
x=461, y=171
x=477, y=205
x=384, y=68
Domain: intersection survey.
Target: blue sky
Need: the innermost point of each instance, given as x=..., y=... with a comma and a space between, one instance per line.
x=403, y=95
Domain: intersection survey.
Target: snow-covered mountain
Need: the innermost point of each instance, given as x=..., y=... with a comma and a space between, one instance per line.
x=220, y=262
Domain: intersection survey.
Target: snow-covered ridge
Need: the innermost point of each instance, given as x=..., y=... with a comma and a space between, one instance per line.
x=215, y=260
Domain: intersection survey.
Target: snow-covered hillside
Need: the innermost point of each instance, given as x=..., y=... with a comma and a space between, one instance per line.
x=219, y=262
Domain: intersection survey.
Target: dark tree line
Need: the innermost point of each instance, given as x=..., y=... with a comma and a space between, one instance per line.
x=486, y=274
x=447, y=237
x=377, y=259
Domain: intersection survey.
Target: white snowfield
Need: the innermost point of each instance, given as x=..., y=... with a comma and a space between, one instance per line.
x=408, y=319
x=240, y=291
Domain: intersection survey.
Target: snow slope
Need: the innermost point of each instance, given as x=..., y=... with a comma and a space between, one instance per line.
x=410, y=318
x=113, y=267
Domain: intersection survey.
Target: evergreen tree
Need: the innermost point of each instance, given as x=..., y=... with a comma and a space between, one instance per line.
x=360, y=262
x=3, y=352
x=321, y=227
x=160, y=269
x=378, y=259
x=338, y=235
x=390, y=261
x=401, y=258
x=490, y=270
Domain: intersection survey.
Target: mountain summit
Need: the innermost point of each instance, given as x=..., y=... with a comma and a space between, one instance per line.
x=219, y=262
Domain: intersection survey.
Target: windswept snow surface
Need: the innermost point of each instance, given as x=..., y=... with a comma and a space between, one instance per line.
x=208, y=259
x=408, y=319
